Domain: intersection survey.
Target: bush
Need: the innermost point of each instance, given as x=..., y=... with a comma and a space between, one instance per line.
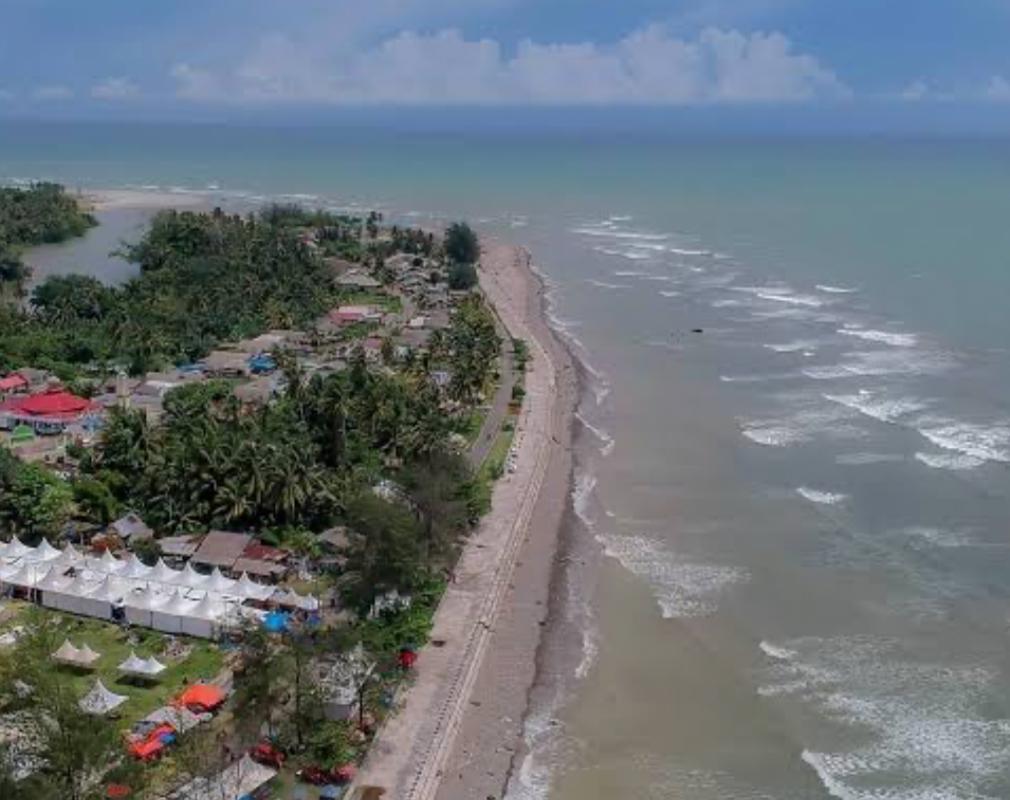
x=462, y=277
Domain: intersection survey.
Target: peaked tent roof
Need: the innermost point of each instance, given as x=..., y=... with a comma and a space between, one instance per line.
x=100, y=700
x=147, y=667
x=16, y=549
x=135, y=568
x=110, y=562
x=163, y=573
x=248, y=588
x=219, y=583
x=46, y=552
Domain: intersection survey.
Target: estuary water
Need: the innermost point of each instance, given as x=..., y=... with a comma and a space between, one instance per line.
x=789, y=571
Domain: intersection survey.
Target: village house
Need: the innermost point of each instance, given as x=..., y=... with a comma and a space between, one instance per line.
x=227, y=364
x=131, y=529
x=236, y=553
x=350, y=315
x=357, y=279
x=49, y=412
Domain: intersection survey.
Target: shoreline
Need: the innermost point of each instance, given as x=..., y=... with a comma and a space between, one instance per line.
x=461, y=723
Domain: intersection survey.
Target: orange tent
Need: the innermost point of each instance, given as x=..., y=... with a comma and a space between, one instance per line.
x=201, y=696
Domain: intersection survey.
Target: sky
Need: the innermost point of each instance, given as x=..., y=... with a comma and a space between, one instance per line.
x=287, y=59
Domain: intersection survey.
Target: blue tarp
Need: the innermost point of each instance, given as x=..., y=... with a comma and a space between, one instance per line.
x=276, y=622
x=262, y=363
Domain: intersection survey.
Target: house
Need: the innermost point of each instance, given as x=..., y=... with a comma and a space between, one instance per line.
x=226, y=364
x=221, y=549
x=373, y=348
x=412, y=339
x=262, y=561
x=13, y=384
x=357, y=279
x=49, y=412
x=350, y=315
x=131, y=528
x=257, y=392
x=177, y=549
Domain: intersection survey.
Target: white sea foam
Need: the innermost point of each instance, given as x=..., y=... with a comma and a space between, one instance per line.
x=877, y=406
x=792, y=299
x=923, y=730
x=631, y=255
x=938, y=537
x=605, y=439
x=680, y=251
x=606, y=285
x=610, y=232
x=978, y=441
x=582, y=492
x=953, y=461
x=682, y=589
x=884, y=337
x=800, y=345
x=821, y=287
x=862, y=459
x=821, y=497
x=669, y=293
x=811, y=419
x=628, y=273
x=881, y=362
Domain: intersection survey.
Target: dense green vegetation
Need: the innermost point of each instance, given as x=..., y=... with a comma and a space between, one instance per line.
x=204, y=278
x=461, y=244
x=40, y=214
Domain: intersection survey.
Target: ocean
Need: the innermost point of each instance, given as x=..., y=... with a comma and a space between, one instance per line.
x=788, y=570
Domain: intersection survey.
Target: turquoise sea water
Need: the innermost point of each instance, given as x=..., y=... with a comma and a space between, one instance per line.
x=793, y=572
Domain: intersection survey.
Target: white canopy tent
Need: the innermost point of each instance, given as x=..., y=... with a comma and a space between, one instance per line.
x=75, y=656
x=15, y=549
x=247, y=588
x=135, y=569
x=162, y=573
x=167, y=616
x=101, y=701
x=239, y=780
x=141, y=667
x=291, y=599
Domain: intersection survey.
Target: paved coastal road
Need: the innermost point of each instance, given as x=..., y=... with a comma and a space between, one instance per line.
x=499, y=408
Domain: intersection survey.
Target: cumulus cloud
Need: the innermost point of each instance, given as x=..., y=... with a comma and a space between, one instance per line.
x=916, y=90
x=115, y=89
x=647, y=67
x=52, y=93
x=998, y=89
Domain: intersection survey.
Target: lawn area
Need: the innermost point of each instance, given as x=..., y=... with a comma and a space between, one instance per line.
x=387, y=302
x=203, y=661
x=493, y=467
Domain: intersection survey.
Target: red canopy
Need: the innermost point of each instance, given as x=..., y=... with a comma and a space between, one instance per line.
x=202, y=695
x=12, y=381
x=55, y=401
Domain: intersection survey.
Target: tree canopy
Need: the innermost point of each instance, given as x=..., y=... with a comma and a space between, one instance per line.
x=461, y=244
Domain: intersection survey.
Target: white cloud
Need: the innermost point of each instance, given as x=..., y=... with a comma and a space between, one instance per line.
x=115, y=89
x=998, y=89
x=6, y=95
x=916, y=90
x=52, y=93
x=647, y=67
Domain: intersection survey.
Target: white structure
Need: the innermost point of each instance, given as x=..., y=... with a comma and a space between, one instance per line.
x=141, y=667
x=170, y=600
x=75, y=656
x=100, y=701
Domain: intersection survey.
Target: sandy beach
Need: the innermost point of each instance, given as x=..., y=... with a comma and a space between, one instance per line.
x=140, y=199
x=460, y=726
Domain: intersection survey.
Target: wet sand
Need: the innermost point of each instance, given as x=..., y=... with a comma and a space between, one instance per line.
x=460, y=727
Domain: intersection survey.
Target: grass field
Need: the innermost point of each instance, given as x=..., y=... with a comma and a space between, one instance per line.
x=203, y=661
